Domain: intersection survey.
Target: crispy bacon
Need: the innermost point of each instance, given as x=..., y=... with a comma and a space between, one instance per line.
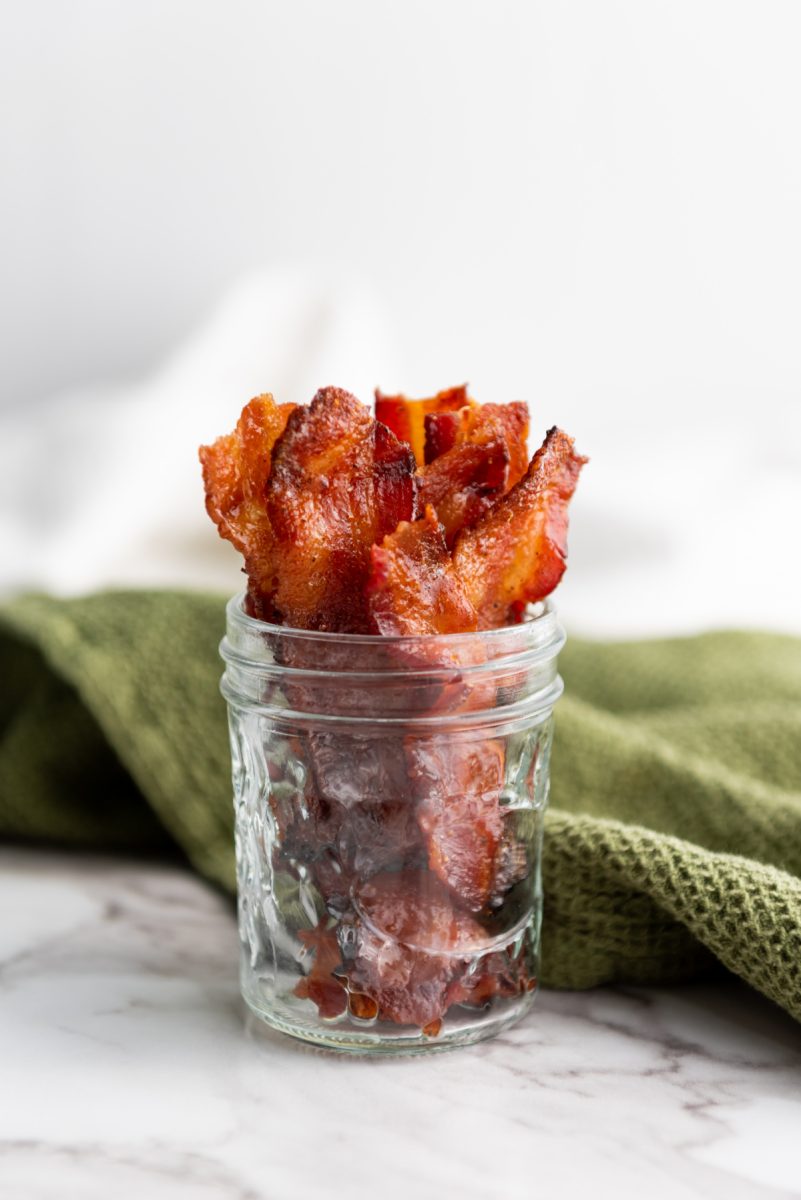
x=441, y=434
x=472, y=458
x=353, y=816
x=459, y=783
x=463, y=483
x=362, y=816
x=235, y=472
x=501, y=974
x=340, y=481
x=406, y=418
x=478, y=424
x=321, y=985
x=412, y=588
x=516, y=553
x=412, y=945
x=415, y=953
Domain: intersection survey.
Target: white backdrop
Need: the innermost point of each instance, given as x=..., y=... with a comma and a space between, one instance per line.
x=593, y=206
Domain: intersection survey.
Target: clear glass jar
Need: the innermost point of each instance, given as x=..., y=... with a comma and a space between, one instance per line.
x=389, y=796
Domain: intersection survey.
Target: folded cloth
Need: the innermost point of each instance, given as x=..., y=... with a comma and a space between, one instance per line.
x=674, y=836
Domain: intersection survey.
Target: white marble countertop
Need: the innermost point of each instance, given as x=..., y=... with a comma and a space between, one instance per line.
x=127, y=1069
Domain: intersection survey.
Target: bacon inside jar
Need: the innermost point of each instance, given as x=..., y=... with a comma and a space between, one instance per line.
x=423, y=520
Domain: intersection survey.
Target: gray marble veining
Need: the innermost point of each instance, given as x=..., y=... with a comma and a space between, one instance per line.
x=128, y=1069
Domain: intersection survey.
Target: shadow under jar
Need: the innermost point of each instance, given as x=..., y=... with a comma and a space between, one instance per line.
x=389, y=796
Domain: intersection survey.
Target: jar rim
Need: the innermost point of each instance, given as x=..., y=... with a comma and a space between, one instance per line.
x=540, y=615
x=259, y=656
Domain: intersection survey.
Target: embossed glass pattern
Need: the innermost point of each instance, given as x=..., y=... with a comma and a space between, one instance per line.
x=389, y=796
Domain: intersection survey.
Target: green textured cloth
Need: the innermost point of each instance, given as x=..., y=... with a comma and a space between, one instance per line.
x=674, y=836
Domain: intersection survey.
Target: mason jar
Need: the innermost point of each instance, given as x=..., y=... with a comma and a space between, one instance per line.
x=389, y=796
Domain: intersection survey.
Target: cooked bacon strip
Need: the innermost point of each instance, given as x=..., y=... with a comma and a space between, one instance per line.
x=463, y=483
x=321, y=985
x=412, y=955
x=412, y=588
x=413, y=946
x=340, y=481
x=479, y=424
x=413, y=591
x=502, y=974
x=235, y=472
x=516, y=553
x=442, y=431
x=472, y=458
x=406, y=418
x=507, y=421
x=460, y=785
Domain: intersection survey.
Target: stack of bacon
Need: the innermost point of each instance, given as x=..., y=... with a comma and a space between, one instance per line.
x=428, y=519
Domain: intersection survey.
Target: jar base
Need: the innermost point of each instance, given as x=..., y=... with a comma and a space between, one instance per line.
x=391, y=1039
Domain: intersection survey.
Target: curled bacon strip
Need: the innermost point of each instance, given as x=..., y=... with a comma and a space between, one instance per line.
x=235, y=473
x=412, y=946
x=339, y=482
x=516, y=553
x=412, y=587
x=472, y=458
x=460, y=784
x=406, y=418
x=415, y=952
x=463, y=483
x=477, y=424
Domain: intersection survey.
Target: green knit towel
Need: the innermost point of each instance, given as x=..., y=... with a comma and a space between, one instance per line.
x=674, y=837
